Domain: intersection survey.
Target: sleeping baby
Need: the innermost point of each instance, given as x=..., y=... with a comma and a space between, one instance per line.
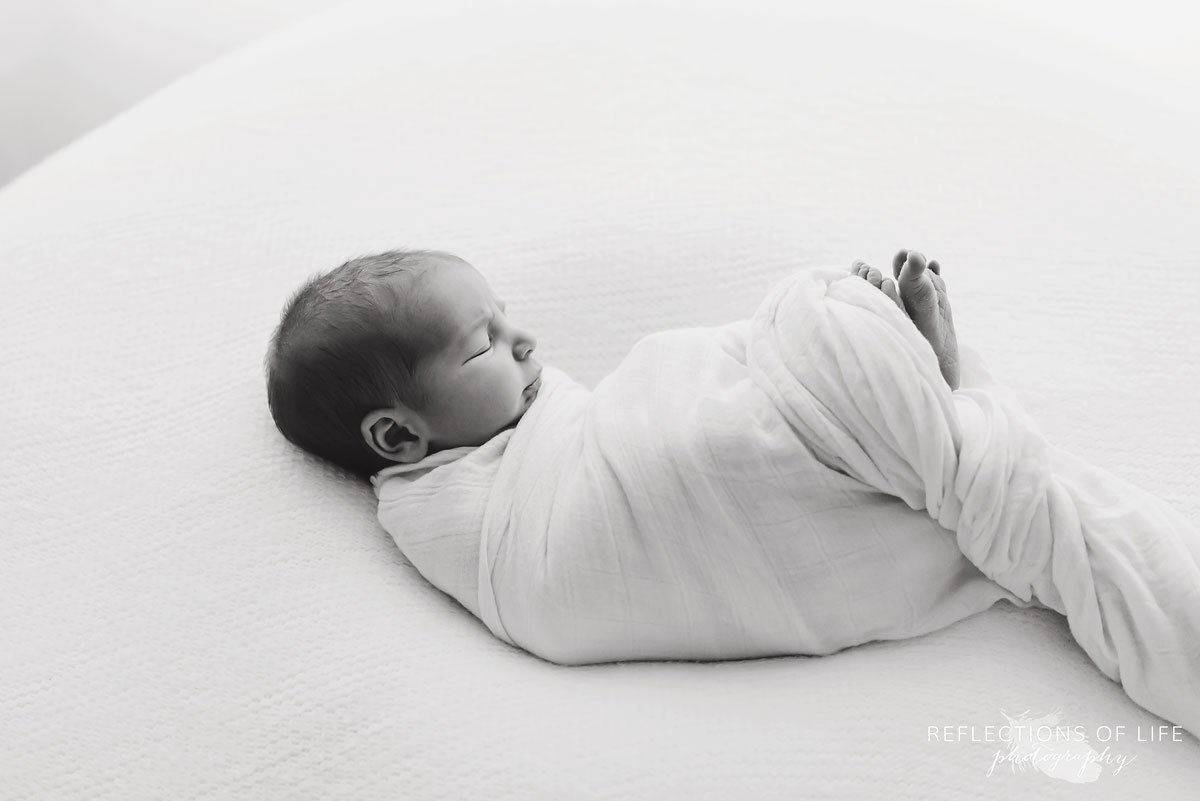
x=832, y=471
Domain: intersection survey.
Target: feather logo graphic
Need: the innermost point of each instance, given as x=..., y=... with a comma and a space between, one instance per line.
x=1040, y=743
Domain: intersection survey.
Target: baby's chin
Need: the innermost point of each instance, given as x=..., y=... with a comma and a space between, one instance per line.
x=517, y=418
x=526, y=400
x=512, y=423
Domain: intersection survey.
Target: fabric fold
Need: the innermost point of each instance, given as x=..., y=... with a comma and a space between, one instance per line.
x=1118, y=562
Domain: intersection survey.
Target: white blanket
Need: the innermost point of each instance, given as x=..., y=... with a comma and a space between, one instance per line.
x=757, y=489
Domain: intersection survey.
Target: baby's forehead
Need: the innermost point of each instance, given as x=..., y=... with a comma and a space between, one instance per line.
x=439, y=299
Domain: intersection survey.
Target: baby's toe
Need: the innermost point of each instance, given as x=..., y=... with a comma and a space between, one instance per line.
x=875, y=277
x=913, y=270
x=889, y=289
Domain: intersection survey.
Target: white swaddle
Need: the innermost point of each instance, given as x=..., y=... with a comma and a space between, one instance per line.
x=794, y=484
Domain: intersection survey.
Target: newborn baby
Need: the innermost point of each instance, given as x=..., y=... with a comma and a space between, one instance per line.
x=834, y=470
x=404, y=368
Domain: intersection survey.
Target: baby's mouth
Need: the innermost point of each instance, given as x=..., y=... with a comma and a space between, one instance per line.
x=535, y=384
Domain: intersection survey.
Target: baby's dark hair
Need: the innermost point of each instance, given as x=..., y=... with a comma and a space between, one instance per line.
x=342, y=350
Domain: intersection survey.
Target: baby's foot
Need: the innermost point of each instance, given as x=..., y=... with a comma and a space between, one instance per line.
x=923, y=293
x=876, y=279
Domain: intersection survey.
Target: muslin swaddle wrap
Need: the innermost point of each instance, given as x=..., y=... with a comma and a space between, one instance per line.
x=796, y=483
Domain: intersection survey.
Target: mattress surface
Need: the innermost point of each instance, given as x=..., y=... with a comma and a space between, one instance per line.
x=191, y=608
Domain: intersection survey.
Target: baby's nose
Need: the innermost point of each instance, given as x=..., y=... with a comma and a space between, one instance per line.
x=525, y=345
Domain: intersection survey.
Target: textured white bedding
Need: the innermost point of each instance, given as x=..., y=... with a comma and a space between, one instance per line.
x=191, y=609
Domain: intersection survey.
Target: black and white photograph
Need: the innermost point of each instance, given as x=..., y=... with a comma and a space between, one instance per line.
x=722, y=400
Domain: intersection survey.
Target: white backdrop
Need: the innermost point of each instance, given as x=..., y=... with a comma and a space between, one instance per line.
x=69, y=65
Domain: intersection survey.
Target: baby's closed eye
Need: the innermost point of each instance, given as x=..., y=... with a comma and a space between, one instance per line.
x=485, y=349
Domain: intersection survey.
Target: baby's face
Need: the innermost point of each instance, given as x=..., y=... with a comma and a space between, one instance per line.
x=482, y=379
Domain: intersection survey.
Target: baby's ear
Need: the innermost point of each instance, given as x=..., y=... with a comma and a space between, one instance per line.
x=392, y=434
